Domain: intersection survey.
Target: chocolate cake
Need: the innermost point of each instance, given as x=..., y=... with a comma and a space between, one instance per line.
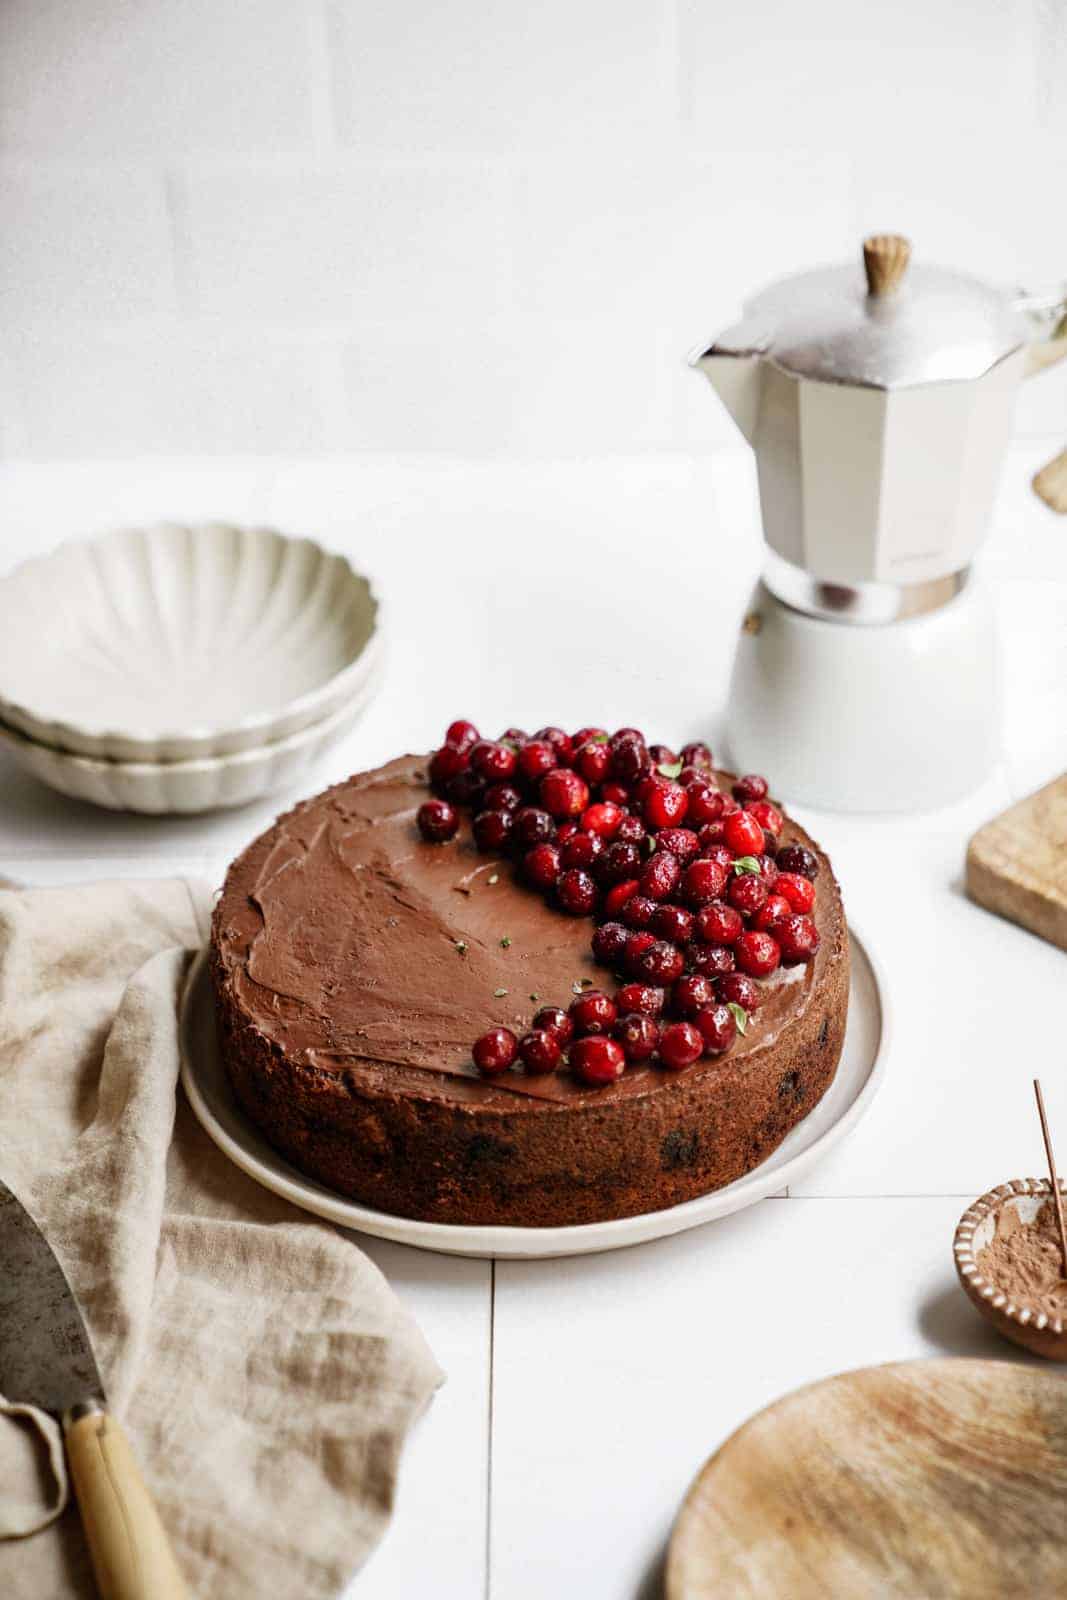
x=354, y=964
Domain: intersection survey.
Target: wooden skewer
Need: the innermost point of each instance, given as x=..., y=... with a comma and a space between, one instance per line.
x=1057, y=1199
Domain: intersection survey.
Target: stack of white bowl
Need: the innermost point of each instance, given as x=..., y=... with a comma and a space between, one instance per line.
x=176, y=668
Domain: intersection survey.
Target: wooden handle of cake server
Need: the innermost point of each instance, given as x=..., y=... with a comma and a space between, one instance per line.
x=131, y=1554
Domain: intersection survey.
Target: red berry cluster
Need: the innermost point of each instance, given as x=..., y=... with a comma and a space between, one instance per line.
x=694, y=897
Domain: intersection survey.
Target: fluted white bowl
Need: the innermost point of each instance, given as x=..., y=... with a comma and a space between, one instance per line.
x=177, y=643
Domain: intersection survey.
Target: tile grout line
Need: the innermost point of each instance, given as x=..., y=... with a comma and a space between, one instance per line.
x=489, y=1452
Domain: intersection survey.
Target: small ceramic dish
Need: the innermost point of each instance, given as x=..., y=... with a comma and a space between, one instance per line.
x=211, y=784
x=181, y=643
x=1033, y=1329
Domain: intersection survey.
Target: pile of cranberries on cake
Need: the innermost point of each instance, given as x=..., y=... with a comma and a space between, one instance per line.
x=694, y=900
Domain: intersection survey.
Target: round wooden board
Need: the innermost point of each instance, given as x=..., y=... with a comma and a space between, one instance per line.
x=926, y=1480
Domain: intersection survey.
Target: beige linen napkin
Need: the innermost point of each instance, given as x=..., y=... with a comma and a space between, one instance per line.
x=263, y=1367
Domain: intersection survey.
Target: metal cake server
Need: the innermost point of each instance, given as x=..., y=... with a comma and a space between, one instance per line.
x=46, y=1360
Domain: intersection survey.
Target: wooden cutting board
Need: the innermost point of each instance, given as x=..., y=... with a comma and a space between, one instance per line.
x=927, y=1480
x=1017, y=864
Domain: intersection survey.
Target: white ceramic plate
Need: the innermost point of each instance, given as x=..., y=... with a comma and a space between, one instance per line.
x=176, y=643
x=858, y=1076
x=211, y=784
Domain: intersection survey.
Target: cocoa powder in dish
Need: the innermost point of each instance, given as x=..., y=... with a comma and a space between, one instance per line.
x=1025, y=1262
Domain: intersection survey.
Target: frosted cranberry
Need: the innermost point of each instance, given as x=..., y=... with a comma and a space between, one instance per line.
x=717, y=1028
x=630, y=760
x=535, y=759
x=681, y=842
x=560, y=742
x=769, y=817
x=617, y=861
x=660, y=876
x=636, y=945
x=445, y=764
x=626, y=733
x=437, y=820
x=767, y=867
x=646, y=998
x=581, y=849
x=672, y=922
x=492, y=830
x=619, y=895
x=616, y=794
x=589, y=736
x=461, y=734
x=495, y=1051
x=593, y=1012
x=466, y=789
x=715, y=850
x=502, y=797
x=747, y=893
x=565, y=831
x=794, y=858
x=757, y=953
x=602, y=819
x=516, y=736
x=719, y=923
x=661, y=963
x=532, y=826
x=742, y=833
x=541, y=866
x=680, y=1045
x=798, y=939
x=493, y=762
x=696, y=754
x=597, y=1060
x=703, y=882
x=554, y=1020
x=632, y=830
x=646, y=785
x=540, y=1051
x=609, y=943
x=713, y=960
x=563, y=793
x=638, y=1035
x=663, y=755
x=592, y=762
x=666, y=806
x=705, y=804
x=735, y=987
x=639, y=911
x=691, y=993
x=750, y=787
x=800, y=892
x=576, y=892
x=773, y=909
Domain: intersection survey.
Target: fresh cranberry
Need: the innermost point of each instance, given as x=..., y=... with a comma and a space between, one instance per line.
x=532, y=826
x=767, y=867
x=554, y=1020
x=466, y=789
x=800, y=892
x=691, y=993
x=626, y=733
x=616, y=794
x=461, y=734
x=502, y=797
x=630, y=760
x=693, y=778
x=592, y=762
x=493, y=762
x=769, y=817
x=795, y=858
x=680, y=1045
x=636, y=945
x=735, y=987
x=617, y=861
x=672, y=922
x=560, y=742
x=660, y=876
x=495, y=1051
x=705, y=804
x=681, y=842
x=541, y=866
x=609, y=943
x=747, y=893
x=757, y=953
x=540, y=1051
x=797, y=937
x=581, y=849
x=774, y=908
x=715, y=851
x=639, y=911
x=717, y=1028
x=631, y=830
x=597, y=1060
x=437, y=820
x=619, y=895
x=648, y=784
x=742, y=833
x=750, y=787
x=719, y=923
x=696, y=754
x=445, y=764
x=535, y=759
x=661, y=963
x=602, y=819
x=703, y=882
x=666, y=806
x=713, y=960
x=492, y=830
x=565, y=831
x=576, y=892
x=646, y=998
x=593, y=1012
x=515, y=736
x=638, y=1034
x=563, y=793
x=589, y=736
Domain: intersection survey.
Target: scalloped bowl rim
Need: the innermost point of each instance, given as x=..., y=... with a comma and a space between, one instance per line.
x=983, y=1292
x=256, y=723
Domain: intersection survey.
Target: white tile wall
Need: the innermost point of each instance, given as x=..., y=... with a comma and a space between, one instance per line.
x=466, y=228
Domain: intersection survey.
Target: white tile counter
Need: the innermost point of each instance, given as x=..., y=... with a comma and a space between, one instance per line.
x=582, y=1395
